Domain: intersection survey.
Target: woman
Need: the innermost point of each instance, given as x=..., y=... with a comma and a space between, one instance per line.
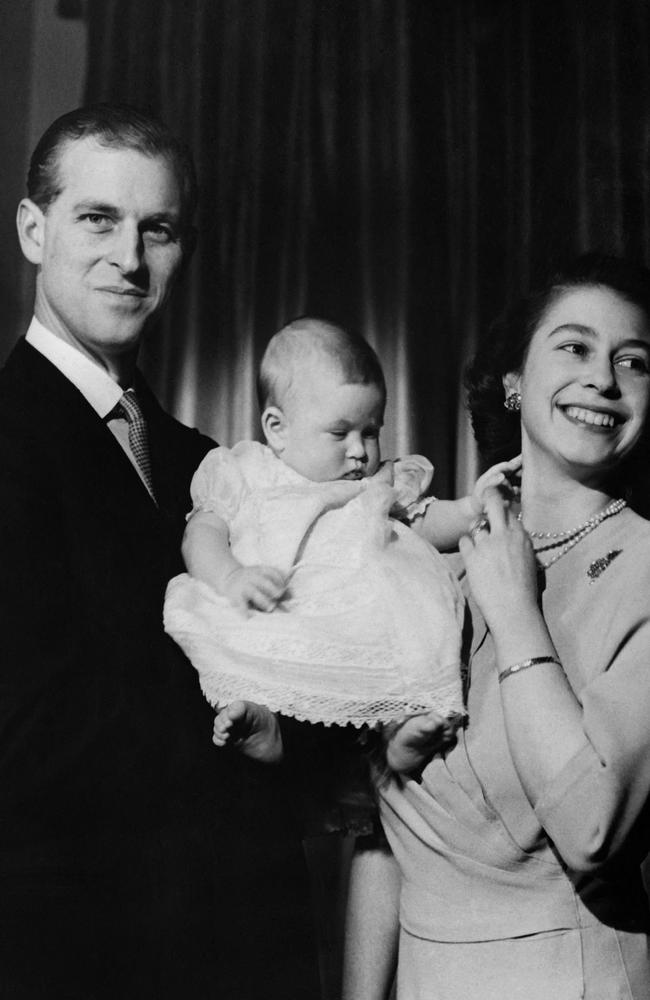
x=520, y=848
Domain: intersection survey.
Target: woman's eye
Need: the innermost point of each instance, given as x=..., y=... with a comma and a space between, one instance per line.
x=575, y=347
x=635, y=363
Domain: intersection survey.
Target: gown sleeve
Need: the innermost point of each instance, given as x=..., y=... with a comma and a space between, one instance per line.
x=218, y=485
x=412, y=478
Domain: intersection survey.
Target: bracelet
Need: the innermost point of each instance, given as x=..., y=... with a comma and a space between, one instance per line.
x=525, y=664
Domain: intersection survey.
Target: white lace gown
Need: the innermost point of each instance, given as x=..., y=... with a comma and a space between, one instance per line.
x=369, y=627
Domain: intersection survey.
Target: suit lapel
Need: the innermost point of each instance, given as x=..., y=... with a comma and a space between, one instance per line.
x=89, y=457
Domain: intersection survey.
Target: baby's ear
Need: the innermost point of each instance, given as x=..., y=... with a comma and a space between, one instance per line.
x=274, y=426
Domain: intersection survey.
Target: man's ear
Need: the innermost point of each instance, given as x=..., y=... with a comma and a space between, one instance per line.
x=30, y=222
x=274, y=425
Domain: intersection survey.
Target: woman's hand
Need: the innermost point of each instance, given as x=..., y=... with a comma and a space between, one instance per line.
x=500, y=563
x=505, y=477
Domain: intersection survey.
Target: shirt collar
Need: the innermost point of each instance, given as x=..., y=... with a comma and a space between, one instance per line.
x=95, y=385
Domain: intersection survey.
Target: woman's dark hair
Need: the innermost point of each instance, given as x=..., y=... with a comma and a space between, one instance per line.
x=504, y=349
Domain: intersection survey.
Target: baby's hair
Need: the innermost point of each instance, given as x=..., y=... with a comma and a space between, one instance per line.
x=307, y=341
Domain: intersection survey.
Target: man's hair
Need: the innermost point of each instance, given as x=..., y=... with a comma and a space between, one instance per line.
x=306, y=342
x=116, y=126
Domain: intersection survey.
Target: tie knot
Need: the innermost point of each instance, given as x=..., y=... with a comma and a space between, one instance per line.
x=130, y=407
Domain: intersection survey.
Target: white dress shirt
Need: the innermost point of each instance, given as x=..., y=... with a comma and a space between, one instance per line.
x=95, y=385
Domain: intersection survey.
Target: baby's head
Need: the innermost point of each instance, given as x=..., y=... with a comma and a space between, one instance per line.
x=322, y=395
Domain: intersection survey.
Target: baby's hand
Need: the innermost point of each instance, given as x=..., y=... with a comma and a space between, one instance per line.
x=253, y=729
x=411, y=744
x=259, y=587
x=503, y=476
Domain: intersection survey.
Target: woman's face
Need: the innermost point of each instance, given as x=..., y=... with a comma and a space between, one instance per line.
x=585, y=385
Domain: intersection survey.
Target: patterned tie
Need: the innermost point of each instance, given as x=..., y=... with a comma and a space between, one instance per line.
x=129, y=407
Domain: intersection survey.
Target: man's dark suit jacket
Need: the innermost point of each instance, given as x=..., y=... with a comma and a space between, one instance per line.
x=135, y=858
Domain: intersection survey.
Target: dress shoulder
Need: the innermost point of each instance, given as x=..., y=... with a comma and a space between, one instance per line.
x=227, y=475
x=218, y=484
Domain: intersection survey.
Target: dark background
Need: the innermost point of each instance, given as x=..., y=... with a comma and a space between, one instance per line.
x=402, y=166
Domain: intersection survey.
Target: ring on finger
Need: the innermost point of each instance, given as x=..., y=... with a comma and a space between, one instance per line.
x=481, y=524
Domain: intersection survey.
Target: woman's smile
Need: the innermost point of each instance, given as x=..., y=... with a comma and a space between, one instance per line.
x=598, y=420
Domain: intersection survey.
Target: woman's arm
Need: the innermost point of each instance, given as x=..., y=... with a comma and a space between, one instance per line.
x=584, y=767
x=542, y=714
x=371, y=925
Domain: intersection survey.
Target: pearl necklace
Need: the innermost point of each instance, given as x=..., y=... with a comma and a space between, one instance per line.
x=567, y=539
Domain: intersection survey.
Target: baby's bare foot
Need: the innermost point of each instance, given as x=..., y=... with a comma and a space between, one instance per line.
x=415, y=741
x=253, y=729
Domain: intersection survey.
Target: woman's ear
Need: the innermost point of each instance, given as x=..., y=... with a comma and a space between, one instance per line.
x=30, y=222
x=511, y=383
x=274, y=425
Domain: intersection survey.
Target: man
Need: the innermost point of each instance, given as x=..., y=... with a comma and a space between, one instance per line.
x=136, y=860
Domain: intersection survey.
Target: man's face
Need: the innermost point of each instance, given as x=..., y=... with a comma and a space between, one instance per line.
x=108, y=247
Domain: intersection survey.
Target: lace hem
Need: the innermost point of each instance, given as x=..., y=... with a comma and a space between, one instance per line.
x=329, y=708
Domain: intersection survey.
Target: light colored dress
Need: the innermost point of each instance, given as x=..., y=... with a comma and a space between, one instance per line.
x=503, y=899
x=369, y=627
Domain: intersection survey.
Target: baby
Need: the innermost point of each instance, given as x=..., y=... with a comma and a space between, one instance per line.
x=313, y=584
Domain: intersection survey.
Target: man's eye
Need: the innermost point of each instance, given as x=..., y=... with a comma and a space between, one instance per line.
x=96, y=220
x=159, y=234
x=372, y=433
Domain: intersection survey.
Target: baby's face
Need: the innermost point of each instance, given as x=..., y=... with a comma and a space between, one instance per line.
x=332, y=429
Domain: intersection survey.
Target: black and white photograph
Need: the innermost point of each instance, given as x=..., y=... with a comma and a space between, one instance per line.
x=325, y=500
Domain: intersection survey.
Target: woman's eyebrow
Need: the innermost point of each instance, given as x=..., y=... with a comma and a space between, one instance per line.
x=590, y=332
x=636, y=342
x=575, y=328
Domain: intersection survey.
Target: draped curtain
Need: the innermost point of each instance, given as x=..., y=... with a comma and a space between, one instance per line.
x=400, y=166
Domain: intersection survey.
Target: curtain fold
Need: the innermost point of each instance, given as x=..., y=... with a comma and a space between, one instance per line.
x=400, y=166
